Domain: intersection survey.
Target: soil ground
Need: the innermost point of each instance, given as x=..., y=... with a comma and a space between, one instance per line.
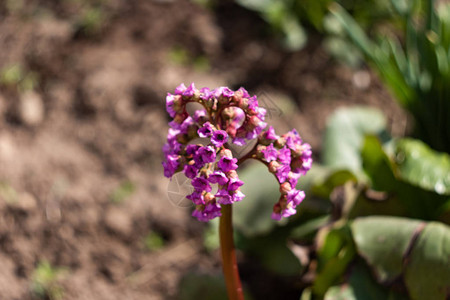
x=95, y=122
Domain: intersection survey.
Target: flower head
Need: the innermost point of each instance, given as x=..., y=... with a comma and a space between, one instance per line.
x=237, y=116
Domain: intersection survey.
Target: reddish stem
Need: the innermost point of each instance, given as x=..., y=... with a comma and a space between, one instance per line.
x=229, y=263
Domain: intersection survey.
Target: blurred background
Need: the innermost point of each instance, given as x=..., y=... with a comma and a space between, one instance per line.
x=85, y=212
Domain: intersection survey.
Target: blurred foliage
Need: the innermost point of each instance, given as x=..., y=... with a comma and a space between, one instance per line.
x=417, y=72
x=203, y=286
x=293, y=19
x=196, y=286
x=181, y=56
x=44, y=284
x=345, y=134
x=7, y=193
x=374, y=223
x=125, y=190
x=16, y=76
x=91, y=21
x=153, y=241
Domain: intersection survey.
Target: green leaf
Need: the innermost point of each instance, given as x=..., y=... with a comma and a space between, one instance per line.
x=336, y=179
x=427, y=274
x=377, y=165
x=360, y=285
x=153, y=241
x=416, y=201
x=334, y=255
x=422, y=166
x=345, y=134
x=383, y=242
x=355, y=31
x=125, y=190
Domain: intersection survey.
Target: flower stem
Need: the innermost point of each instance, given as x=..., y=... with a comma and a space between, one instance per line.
x=229, y=264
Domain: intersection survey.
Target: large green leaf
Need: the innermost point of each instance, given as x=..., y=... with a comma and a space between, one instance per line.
x=418, y=251
x=360, y=285
x=422, y=166
x=416, y=201
x=345, y=134
x=427, y=274
x=383, y=242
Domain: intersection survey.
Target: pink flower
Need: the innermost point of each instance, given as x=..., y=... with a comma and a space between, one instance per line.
x=237, y=116
x=219, y=137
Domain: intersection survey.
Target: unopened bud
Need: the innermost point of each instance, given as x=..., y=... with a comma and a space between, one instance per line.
x=254, y=121
x=259, y=151
x=228, y=113
x=178, y=104
x=273, y=166
x=285, y=187
x=232, y=174
x=231, y=130
x=279, y=143
x=209, y=197
x=236, y=97
x=179, y=118
x=196, y=96
x=243, y=103
x=226, y=153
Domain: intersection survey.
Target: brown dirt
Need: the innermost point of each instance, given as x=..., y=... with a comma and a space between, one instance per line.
x=97, y=119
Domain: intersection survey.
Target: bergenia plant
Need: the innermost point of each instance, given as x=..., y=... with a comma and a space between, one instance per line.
x=199, y=145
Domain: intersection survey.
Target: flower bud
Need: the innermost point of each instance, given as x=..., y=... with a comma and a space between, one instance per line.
x=196, y=96
x=279, y=143
x=179, y=118
x=178, y=104
x=231, y=130
x=232, y=174
x=285, y=187
x=243, y=104
x=228, y=113
x=260, y=151
x=236, y=97
x=273, y=166
x=208, y=197
x=254, y=122
x=226, y=153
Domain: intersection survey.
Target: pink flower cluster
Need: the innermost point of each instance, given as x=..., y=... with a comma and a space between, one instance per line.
x=228, y=117
x=288, y=158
